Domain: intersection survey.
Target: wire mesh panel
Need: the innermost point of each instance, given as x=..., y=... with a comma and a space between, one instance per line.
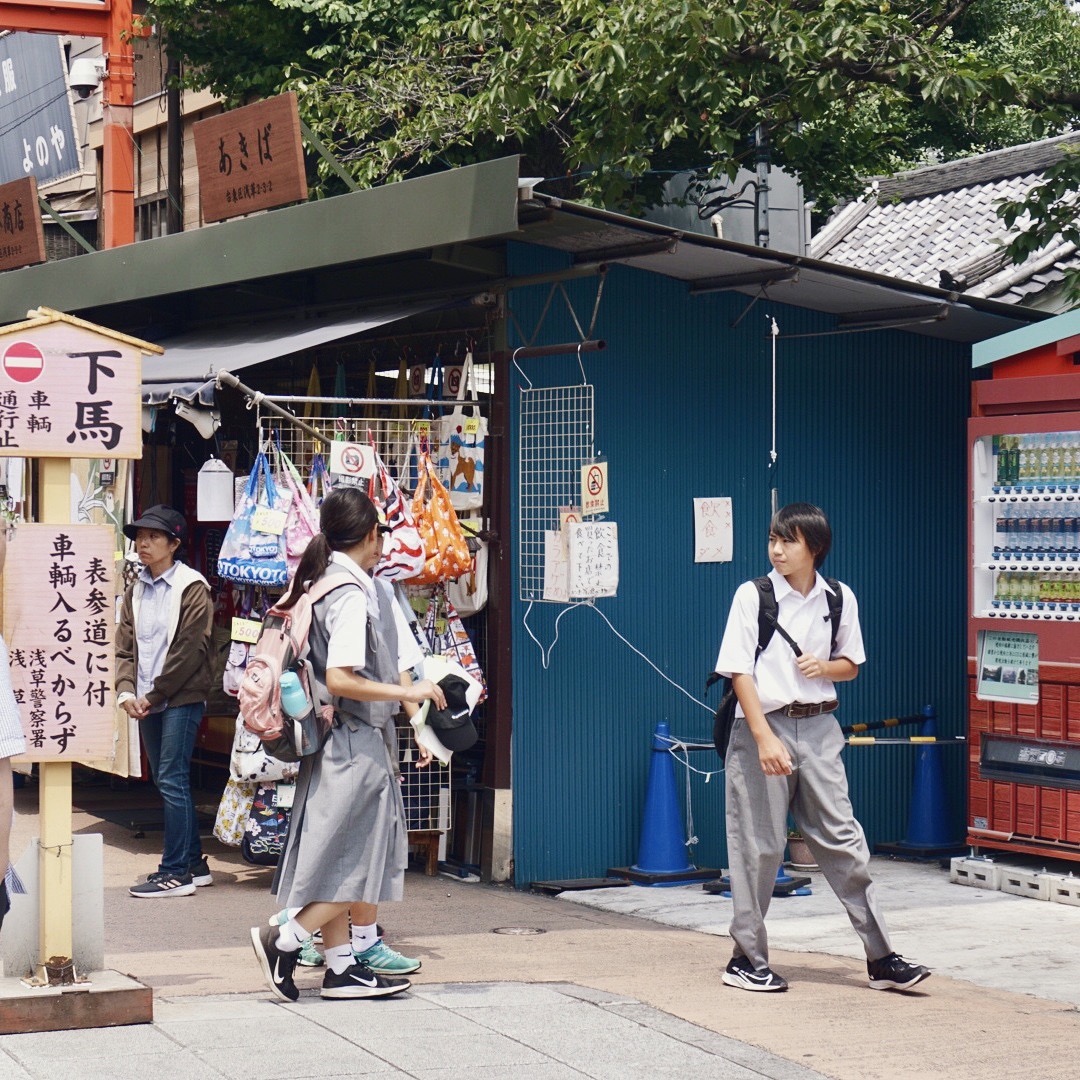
x=556, y=439
x=426, y=792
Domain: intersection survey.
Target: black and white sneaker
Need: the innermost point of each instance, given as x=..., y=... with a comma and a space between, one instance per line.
x=893, y=972
x=741, y=973
x=277, y=964
x=359, y=981
x=164, y=885
x=200, y=873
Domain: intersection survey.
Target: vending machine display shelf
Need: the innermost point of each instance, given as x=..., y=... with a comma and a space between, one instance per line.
x=1012, y=495
x=1034, y=564
x=1043, y=616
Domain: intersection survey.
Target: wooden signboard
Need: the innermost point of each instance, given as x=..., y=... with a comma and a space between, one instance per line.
x=22, y=237
x=68, y=391
x=59, y=620
x=250, y=159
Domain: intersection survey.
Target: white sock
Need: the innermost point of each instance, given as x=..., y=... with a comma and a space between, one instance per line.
x=291, y=936
x=363, y=937
x=339, y=958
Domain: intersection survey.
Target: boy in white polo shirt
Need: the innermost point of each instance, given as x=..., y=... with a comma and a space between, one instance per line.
x=784, y=754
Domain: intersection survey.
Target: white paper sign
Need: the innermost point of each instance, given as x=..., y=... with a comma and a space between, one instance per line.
x=351, y=459
x=712, y=530
x=594, y=559
x=556, y=566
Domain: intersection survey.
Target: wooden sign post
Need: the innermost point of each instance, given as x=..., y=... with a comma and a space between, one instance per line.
x=68, y=389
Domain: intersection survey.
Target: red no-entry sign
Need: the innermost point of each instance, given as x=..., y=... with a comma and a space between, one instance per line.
x=23, y=361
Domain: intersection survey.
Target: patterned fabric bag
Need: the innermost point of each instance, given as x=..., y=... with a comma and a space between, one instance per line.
x=445, y=547
x=403, y=553
x=445, y=635
x=267, y=827
x=249, y=554
x=232, y=812
x=250, y=762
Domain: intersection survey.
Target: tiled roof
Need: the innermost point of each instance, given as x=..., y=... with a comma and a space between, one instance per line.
x=938, y=226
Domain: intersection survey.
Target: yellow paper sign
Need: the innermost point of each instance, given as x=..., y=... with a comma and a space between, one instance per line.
x=245, y=630
x=472, y=425
x=267, y=520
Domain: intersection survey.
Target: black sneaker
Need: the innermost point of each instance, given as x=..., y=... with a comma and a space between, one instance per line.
x=277, y=964
x=200, y=873
x=359, y=981
x=893, y=972
x=741, y=973
x=164, y=885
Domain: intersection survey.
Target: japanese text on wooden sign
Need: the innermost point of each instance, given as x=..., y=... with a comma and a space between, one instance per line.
x=22, y=236
x=250, y=158
x=66, y=391
x=59, y=620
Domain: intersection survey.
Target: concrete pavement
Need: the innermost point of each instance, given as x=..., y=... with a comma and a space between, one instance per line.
x=617, y=983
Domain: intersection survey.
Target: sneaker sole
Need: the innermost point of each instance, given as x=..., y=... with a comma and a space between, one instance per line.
x=345, y=993
x=889, y=984
x=741, y=984
x=202, y=882
x=264, y=963
x=180, y=890
x=393, y=972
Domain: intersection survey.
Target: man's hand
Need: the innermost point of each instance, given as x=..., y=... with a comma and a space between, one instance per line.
x=810, y=666
x=773, y=755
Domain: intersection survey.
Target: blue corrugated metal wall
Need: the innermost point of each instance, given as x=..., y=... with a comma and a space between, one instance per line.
x=869, y=426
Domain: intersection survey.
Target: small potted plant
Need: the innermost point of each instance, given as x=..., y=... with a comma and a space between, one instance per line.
x=799, y=855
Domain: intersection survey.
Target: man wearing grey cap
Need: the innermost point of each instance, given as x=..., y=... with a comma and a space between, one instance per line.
x=162, y=680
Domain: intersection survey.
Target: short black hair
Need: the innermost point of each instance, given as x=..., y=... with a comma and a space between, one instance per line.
x=809, y=520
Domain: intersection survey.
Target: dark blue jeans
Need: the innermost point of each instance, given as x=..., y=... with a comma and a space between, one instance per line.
x=169, y=738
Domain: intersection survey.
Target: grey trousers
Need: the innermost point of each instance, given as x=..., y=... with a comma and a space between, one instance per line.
x=816, y=794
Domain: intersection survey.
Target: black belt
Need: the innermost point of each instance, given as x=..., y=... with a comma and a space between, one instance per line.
x=800, y=709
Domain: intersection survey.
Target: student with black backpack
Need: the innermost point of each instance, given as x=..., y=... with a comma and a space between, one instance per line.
x=784, y=751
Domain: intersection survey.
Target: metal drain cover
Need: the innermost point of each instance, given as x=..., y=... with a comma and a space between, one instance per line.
x=520, y=930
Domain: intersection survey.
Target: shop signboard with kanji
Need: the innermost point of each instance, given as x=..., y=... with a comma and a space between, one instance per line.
x=59, y=625
x=22, y=236
x=251, y=158
x=69, y=391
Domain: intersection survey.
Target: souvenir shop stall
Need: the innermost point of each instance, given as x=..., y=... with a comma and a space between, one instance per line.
x=249, y=457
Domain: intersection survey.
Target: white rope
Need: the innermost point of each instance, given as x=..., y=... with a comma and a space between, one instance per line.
x=774, y=332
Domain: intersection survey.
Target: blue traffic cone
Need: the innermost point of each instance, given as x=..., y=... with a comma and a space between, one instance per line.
x=928, y=831
x=662, y=855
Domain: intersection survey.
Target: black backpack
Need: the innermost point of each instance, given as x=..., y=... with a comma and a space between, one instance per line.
x=767, y=626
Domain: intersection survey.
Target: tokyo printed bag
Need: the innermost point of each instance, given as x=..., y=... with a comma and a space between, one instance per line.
x=250, y=553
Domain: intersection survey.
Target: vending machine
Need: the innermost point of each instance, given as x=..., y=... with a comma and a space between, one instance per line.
x=1024, y=615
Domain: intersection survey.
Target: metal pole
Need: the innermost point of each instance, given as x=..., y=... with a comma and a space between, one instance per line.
x=260, y=399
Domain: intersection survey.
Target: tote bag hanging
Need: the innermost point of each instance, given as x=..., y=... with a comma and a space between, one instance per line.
x=462, y=434
x=250, y=553
x=403, y=552
x=445, y=547
x=469, y=592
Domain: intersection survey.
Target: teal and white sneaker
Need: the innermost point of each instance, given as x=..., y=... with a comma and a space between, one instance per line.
x=309, y=955
x=386, y=961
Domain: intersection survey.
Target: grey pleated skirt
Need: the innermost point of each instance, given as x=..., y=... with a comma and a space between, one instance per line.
x=348, y=839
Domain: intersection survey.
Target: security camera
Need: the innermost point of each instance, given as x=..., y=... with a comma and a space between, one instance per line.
x=86, y=75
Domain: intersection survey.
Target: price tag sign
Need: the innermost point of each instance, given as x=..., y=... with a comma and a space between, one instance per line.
x=283, y=795
x=267, y=520
x=245, y=630
x=472, y=425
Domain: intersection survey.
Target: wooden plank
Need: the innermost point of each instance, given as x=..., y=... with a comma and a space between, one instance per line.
x=45, y=1009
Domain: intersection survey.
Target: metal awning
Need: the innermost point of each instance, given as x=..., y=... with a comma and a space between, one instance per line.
x=187, y=369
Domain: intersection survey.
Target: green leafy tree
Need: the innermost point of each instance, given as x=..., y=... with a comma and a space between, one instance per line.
x=605, y=99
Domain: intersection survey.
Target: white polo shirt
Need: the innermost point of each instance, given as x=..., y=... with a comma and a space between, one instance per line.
x=806, y=618
x=346, y=624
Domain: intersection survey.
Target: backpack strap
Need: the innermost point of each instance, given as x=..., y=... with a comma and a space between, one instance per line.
x=767, y=612
x=836, y=607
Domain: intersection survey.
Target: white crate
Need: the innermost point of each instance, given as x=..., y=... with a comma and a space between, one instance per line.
x=1033, y=883
x=977, y=871
x=1064, y=889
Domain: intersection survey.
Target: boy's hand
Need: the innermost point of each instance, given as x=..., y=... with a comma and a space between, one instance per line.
x=810, y=666
x=773, y=755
